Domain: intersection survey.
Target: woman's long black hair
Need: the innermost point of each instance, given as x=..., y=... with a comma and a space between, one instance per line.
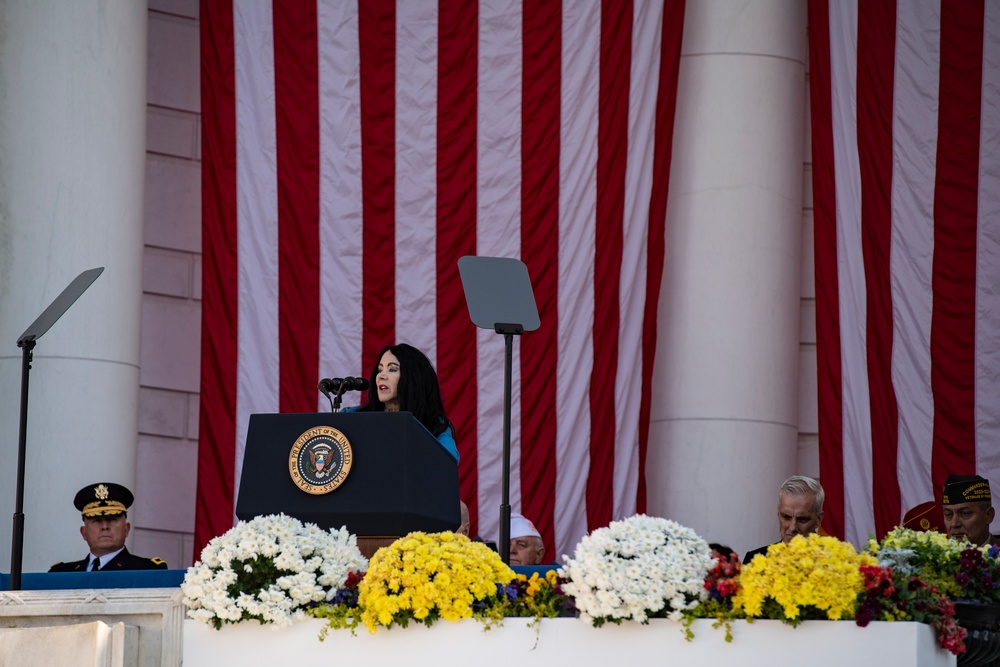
x=418, y=389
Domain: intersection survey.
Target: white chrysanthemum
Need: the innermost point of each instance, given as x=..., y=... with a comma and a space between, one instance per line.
x=636, y=567
x=269, y=569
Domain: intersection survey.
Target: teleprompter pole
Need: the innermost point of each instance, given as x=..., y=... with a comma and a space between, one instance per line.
x=27, y=342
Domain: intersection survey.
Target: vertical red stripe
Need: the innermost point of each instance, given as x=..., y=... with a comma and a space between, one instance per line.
x=296, y=91
x=217, y=430
x=666, y=104
x=540, y=115
x=458, y=57
x=377, y=41
x=828, y=368
x=953, y=325
x=612, y=149
x=876, y=67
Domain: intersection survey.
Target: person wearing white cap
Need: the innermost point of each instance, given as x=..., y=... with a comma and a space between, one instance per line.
x=526, y=546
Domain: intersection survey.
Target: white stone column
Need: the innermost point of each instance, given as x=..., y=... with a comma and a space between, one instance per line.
x=725, y=382
x=72, y=151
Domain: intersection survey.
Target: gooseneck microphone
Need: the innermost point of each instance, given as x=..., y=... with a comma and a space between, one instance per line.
x=354, y=384
x=338, y=386
x=341, y=385
x=324, y=386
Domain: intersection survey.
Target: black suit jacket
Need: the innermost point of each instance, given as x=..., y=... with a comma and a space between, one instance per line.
x=123, y=561
x=759, y=550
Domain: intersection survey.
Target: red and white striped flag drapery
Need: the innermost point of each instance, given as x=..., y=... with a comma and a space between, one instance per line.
x=354, y=151
x=906, y=157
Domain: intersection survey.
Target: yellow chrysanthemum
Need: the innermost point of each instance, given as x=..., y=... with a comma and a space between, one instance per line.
x=535, y=584
x=424, y=573
x=813, y=571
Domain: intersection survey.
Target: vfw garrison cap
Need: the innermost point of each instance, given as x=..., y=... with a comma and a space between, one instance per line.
x=965, y=489
x=925, y=516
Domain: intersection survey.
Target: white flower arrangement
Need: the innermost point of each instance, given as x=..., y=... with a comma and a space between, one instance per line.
x=269, y=569
x=636, y=568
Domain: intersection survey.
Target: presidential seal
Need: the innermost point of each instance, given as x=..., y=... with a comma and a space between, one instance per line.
x=320, y=460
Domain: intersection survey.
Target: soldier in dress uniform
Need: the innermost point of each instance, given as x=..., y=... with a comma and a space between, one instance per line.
x=105, y=526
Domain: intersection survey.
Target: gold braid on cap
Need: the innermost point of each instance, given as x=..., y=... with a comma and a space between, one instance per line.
x=103, y=508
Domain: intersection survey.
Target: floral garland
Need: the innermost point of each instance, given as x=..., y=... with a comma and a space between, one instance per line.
x=637, y=568
x=978, y=573
x=721, y=583
x=269, y=569
x=930, y=555
x=275, y=569
x=807, y=578
x=954, y=568
x=890, y=596
x=536, y=596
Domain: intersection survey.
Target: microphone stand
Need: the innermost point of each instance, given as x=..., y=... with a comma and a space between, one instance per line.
x=509, y=331
x=335, y=406
x=326, y=392
x=343, y=385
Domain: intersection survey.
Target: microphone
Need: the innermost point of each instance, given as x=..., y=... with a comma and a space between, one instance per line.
x=360, y=384
x=325, y=386
x=341, y=385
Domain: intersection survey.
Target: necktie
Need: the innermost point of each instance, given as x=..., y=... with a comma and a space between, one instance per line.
x=94, y=564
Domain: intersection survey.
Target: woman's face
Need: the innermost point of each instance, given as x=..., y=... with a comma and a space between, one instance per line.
x=387, y=381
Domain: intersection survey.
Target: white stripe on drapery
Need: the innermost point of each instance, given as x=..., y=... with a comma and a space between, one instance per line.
x=647, y=26
x=859, y=520
x=498, y=234
x=340, y=197
x=257, y=218
x=915, y=118
x=497, y=226
x=579, y=93
x=988, y=250
x=416, y=175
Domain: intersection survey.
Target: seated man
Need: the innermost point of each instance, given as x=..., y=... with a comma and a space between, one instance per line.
x=464, y=528
x=105, y=528
x=800, y=510
x=526, y=546
x=968, y=509
x=924, y=517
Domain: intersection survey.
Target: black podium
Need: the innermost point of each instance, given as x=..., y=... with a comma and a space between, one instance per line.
x=401, y=478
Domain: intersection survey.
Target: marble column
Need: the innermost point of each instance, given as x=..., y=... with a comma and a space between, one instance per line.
x=723, y=428
x=72, y=165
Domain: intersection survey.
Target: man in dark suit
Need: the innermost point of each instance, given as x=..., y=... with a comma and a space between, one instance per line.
x=800, y=510
x=105, y=527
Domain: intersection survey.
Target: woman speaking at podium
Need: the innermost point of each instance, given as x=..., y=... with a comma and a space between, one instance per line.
x=404, y=380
